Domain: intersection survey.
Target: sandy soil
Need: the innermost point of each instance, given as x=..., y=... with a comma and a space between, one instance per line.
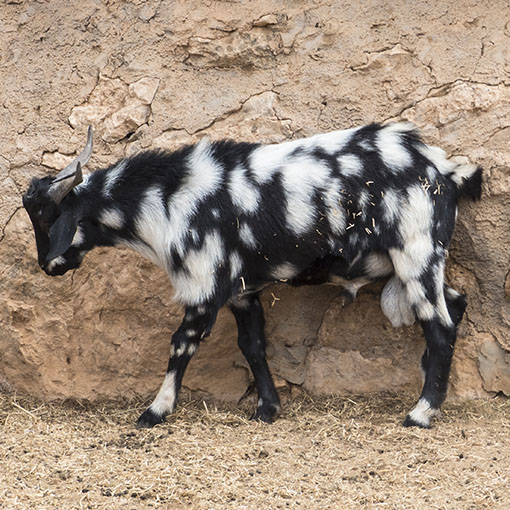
x=329, y=453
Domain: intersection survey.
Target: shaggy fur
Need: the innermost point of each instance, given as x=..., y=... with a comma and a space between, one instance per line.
x=224, y=219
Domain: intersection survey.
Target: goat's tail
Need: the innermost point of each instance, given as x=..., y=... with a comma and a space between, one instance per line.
x=468, y=179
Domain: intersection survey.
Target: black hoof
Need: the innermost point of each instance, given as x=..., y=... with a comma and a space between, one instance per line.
x=265, y=413
x=148, y=419
x=409, y=422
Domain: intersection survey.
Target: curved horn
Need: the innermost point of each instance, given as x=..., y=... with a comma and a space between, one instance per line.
x=63, y=182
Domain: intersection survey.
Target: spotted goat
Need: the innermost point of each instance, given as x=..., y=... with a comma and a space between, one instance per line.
x=224, y=219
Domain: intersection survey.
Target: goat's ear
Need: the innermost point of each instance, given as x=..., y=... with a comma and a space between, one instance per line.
x=62, y=233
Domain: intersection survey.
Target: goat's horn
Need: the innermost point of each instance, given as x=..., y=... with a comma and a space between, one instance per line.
x=63, y=184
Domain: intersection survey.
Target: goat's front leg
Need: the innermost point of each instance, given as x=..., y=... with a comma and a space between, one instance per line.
x=197, y=324
x=249, y=316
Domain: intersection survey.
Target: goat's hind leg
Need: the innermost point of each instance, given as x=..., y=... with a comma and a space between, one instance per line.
x=439, y=319
x=456, y=304
x=197, y=323
x=249, y=317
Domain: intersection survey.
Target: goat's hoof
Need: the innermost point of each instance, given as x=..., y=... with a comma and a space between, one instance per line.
x=265, y=413
x=410, y=422
x=148, y=419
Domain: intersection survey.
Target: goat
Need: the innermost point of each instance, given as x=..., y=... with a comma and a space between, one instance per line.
x=225, y=219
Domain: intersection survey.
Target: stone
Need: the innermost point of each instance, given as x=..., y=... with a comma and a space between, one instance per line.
x=267, y=19
x=330, y=371
x=115, y=107
x=165, y=74
x=147, y=12
x=125, y=121
x=56, y=160
x=144, y=89
x=462, y=382
x=494, y=365
x=254, y=48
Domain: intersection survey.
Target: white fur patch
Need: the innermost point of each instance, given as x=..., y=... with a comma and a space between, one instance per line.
x=284, y=271
x=246, y=236
x=377, y=265
x=441, y=306
x=165, y=399
x=414, y=228
x=335, y=210
x=462, y=172
x=395, y=304
x=78, y=237
x=431, y=174
x=437, y=157
x=391, y=205
x=366, y=145
x=236, y=265
x=363, y=200
x=194, y=235
x=330, y=143
x=112, y=218
x=423, y=413
x=417, y=297
x=161, y=233
x=405, y=266
x=302, y=176
x=391, y=148
x=415, y=291
x=267, y=159
x=181, y=350
x=57, y=261
x=154, y=229
x=243, y=194
x=203, y=179
x=350, y=165
x=196, y=283
x=192, y=348
x=452, y=292
x=112, y=177
x=425, y=310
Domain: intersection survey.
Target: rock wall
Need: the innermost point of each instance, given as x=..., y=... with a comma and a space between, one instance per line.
x=161, y=73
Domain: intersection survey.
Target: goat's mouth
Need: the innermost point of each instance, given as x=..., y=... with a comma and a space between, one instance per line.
x=55, y=267
x=63, y=263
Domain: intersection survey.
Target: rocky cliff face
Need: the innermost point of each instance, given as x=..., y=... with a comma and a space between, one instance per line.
x=152, y=74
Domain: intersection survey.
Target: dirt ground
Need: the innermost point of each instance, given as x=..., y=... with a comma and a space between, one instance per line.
x=327, y=453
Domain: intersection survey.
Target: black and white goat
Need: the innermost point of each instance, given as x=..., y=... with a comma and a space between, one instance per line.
x=224, y=219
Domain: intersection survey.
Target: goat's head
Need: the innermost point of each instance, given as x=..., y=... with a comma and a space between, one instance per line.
x=56, y=214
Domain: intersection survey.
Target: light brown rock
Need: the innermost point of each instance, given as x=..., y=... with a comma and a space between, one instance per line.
x=56, y=160
x=144, y=89
x=494, y=364
x=166, y=73
x=125, y=121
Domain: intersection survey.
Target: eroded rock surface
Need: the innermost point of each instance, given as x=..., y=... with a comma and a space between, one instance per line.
x=149, y=74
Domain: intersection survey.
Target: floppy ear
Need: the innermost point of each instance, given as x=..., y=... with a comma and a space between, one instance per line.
x=62, y=233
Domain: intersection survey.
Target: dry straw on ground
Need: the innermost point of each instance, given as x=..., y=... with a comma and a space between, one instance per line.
x=328, y=453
